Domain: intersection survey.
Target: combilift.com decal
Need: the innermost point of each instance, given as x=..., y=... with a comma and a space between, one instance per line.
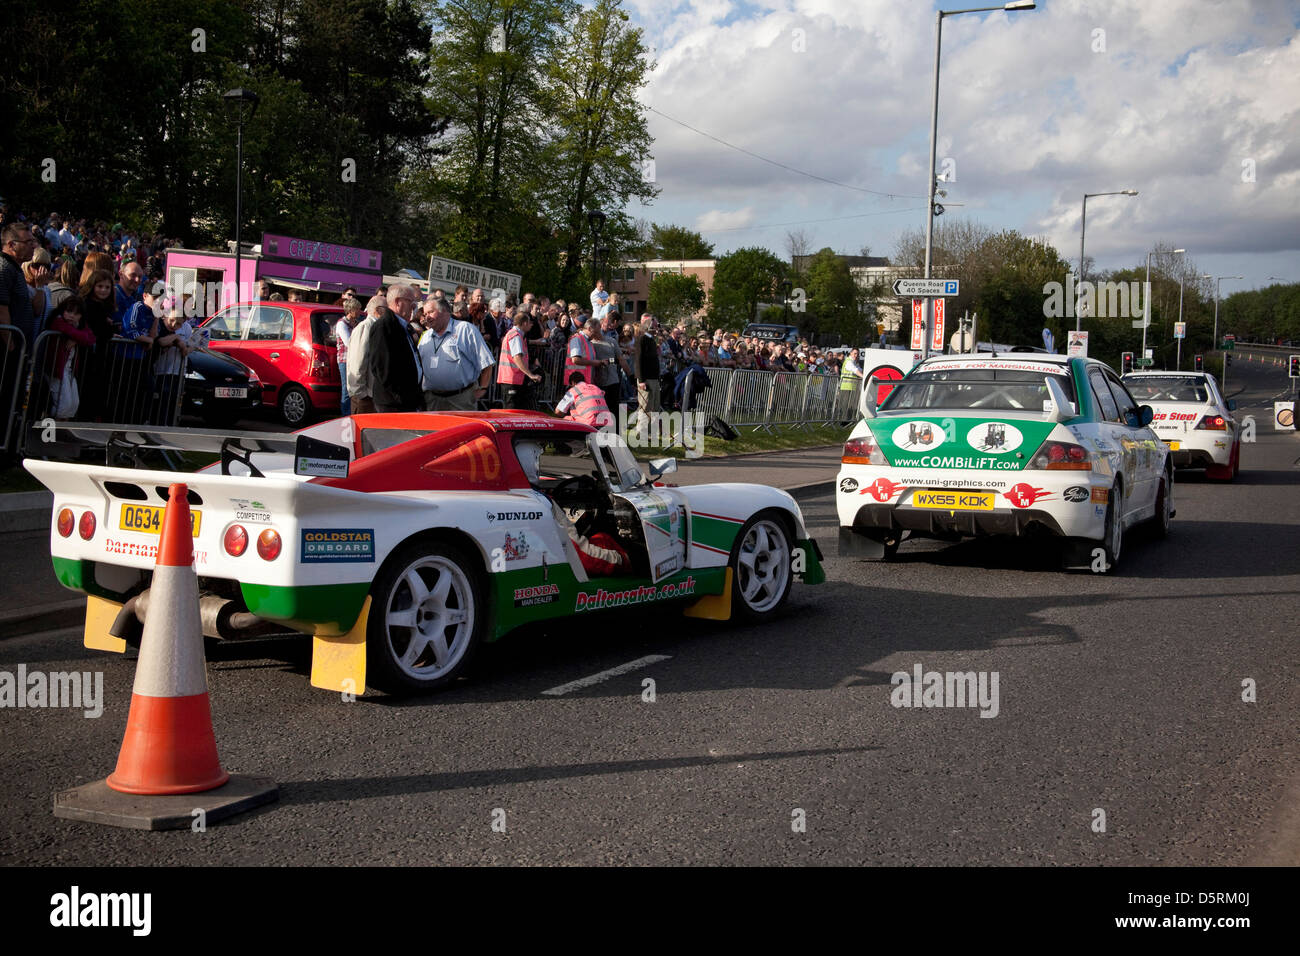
x=960, y=442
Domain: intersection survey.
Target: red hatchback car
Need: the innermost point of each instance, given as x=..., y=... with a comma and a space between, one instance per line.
x=290, y=345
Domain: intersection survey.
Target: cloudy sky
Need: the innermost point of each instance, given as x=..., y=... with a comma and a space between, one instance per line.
x=1195, y=103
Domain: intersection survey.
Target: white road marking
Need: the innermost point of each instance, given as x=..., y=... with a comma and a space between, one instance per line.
x=606, y=675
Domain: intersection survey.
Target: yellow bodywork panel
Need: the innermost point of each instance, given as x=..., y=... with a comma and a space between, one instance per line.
x=100, y=615
x=713, y=607
x=339, y=663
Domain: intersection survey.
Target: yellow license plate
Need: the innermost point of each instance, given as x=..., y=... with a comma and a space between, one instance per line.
x=146, y=519
x=954, y=500
x=1175, y=445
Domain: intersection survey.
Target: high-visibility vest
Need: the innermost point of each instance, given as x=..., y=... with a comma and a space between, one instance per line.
x=588, y=352
x=848, y=377
x=507, y=372
x=589, y=405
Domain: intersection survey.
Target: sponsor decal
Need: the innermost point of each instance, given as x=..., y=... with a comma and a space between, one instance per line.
x=957, y=461
x=536, y=595
x=150, y=551
x=338, y=545
x=668, y=566
x=321, y=467
x=1076, y=494
x=514, y=516
x=1100, y=495
x=246, y=509
x=882, y=489
x=918, y=436
x=996, y=437
x=638, y=595
x=1099, y=511
x=1023, y=495
x=848, y=485
x=1176, y=416
x=515, y=547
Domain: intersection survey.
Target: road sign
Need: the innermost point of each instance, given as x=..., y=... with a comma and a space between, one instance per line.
x=936, y=340
x=1144, y=362
x=925, y=287
x=1077, y=344
x=918, y=324
x=1180, y=330
x=1229, y=343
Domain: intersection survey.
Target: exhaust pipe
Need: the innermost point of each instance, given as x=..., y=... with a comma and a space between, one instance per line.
x=218, y=617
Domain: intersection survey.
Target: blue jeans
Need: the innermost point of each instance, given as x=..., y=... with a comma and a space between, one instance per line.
x=345, y=402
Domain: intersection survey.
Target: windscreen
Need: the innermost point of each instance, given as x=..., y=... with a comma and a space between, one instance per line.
x=966, y=387
x=1171, y=389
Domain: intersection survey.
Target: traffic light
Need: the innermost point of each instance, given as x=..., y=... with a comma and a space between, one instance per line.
x=1200, y=363
x=1125, y=362
x=1227, y=361
x=1293, y=370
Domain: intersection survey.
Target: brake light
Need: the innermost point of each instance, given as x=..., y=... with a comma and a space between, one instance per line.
x=268, y=544
x=1214, y=423
x=235, y=541
x=320, y=363
x=86, y=527
x=863, y=451
x=66, y=521
x=1062, y=456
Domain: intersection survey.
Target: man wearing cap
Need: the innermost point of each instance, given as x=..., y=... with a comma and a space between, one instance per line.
x=513, y=373
x=582, y=352
x=455, y=362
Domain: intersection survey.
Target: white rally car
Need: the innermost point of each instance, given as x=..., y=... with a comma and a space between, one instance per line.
x=401, y=542
x=1003, y=445
x=1193, y=418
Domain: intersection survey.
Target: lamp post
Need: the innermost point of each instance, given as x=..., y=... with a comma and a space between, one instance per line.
x=595, y=219
x=1083, y=230
x=240, y=96
x=1179, y=252
x=1218, y=284
x=930, y=210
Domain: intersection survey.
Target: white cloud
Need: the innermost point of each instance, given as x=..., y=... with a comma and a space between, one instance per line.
x=725, y=219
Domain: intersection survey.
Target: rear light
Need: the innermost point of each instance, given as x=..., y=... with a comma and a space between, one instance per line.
x=1213, y=423
x=66, y=520
x=86, y=527
x=1062, y=456
x=863, y=451
x=320, y=363
x=268, y=544
x=235, y=541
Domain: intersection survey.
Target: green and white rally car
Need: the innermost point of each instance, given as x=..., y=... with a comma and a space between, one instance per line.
x=1016, y=444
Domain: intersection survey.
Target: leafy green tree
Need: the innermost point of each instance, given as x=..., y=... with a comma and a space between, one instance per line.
x=741, y=280
x=674, y=297
x=833, y=299
x=678, y=242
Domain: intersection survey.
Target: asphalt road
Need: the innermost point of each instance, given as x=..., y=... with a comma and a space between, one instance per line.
x=1115, y=693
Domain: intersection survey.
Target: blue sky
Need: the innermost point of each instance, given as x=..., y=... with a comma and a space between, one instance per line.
x=1192, y=103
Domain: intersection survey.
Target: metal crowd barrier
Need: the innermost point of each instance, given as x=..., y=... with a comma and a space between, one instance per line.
x=115, y=384
x=13, y=383
x=750, y=398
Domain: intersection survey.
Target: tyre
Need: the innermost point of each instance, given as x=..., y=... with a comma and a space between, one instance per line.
x=427, y=616
x=1112, y=543
x=295, y=406
x=1164, y=511
x=761, y=566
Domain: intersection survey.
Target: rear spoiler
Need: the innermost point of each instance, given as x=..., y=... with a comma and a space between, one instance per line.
x=312, y=456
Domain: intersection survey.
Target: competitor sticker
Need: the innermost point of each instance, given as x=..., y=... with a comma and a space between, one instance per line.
x=918, y=436
x=338, y=545
x=995, y=437
x=538, y=594
x=515, y=547
x=1076, y=493
x=848, y=485
x=247, y=509
x=1023, y=495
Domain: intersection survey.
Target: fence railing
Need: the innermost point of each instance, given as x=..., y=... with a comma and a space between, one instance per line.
x=117, y=381
x=13, y=383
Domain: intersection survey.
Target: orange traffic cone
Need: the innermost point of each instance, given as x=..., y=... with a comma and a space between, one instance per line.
x=169, y=745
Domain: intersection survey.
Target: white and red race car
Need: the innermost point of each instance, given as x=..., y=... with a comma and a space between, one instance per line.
x=1193, y=418
x=401, y=542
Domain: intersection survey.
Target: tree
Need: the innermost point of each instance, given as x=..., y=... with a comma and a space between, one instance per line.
x=1010, y=273
x=678, y=242
x=833, y=299
x=675, y=298
x=741, y=280
x=797, y=243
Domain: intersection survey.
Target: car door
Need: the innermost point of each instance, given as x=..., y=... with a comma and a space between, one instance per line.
x=1119, y=447
x=1148, y=451
x=663, y=512
x=268, y=347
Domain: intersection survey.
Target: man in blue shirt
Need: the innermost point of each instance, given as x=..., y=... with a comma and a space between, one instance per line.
x=127, y=291
x=130, y=381
x=455, y=362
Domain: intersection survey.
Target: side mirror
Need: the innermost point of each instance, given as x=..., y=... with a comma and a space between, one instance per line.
x=662, y=466
x=1145, y=414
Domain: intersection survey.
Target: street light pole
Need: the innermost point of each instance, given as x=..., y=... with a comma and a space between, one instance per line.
x=1179, y=252
x=239, y=96
x=1083, y=226
x=934, y=132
